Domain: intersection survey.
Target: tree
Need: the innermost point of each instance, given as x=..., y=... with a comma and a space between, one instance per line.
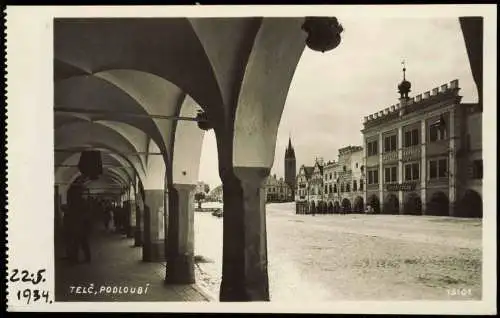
x=199, y=197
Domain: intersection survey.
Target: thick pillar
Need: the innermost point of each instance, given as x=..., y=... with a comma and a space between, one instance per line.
x=423, y=166
x=131, y=218
x=452, y=165
x=153, y=245
x=244, y=269
x=364, y=175
x=400, y=169
x=139, y=222
x=180, y=240
x=380, y=172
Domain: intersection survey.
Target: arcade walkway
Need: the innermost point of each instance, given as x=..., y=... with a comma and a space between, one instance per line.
x=116, y=263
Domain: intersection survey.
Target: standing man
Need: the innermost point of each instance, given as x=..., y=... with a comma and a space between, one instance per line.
x=79, y=222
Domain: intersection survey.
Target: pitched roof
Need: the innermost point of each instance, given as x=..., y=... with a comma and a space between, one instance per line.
x=308, y=171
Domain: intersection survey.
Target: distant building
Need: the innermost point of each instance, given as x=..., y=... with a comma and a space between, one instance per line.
x=302, y=189
x=424, y=155
x=277, y=190
x=216, y=194
x=201, y=187
x=344, y=182
x=332, y=187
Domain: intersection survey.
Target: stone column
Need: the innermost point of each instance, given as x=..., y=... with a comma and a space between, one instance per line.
x=380, y=173
x=132, y=221
x=153, y=244
x=423, y=165
x=244, y=271
x=57, y=209
x=400, y=169
x=139, y=221
x=365, y=181
x=452, y=171
x=180, y=240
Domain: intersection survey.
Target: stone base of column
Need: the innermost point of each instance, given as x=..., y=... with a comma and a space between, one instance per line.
x=130, y=231
x=453, y=209
x=138, y=237
x=153, y=251
x=180, y=270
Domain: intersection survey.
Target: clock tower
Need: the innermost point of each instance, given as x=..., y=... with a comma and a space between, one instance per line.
x=290, y=167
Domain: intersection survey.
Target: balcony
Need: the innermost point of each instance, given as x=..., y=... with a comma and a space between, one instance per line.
x=437, y=147
x=438, y=181
x=411, y=153
x=343, y=174
x=390, y=156
x=372, y=161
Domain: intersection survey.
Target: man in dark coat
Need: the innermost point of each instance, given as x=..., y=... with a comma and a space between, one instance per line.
x=79, y=221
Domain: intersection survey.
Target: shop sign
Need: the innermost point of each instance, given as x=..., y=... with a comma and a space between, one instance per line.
x=407, y=186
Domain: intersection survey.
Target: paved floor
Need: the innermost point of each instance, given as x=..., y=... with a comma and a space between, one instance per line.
x=358, y=257
x=118, y=273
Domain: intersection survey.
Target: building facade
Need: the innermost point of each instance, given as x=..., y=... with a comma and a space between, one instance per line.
x=277, y=190
x=216, y=194
x=344, y=181
x=302, y=189
x=332, y=187
x=424, y=155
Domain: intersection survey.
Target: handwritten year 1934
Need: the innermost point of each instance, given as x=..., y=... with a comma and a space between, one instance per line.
x=31, y=293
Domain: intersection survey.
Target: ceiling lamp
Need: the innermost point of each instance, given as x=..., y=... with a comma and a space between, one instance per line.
x=202, y=119
x=323, y=33
x=90, y=164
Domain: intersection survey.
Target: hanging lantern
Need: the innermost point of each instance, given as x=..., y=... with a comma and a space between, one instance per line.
x=323, y=33
x=90, y=164
x=203, y=122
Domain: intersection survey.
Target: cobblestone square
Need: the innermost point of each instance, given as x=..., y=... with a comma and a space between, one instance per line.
x=357, y=257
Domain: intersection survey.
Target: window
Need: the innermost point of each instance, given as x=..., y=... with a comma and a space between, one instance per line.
x=354, y=185
x=348, y=187
x=373, y=176
x=361, y=185
x=372, y=148
x=477, y=169
x=330, y=188
x=341, y=187
x=356, y=164
x=390, y=143
x=438, y=168
x=326, y=189
x=411, y=138
x=412, y=171
x=344, y=168
x=391, y=174
x=437, y=132
x=334, y=188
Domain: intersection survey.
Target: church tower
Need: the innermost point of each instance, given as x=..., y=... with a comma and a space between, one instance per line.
x=290, y=167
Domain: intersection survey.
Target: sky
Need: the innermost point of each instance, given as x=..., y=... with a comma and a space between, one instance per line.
x=331, y=92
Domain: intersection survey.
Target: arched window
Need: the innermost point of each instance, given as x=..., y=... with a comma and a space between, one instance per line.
x=354, y=185
x=348, y=187
x=341, y=187
x=334, y=188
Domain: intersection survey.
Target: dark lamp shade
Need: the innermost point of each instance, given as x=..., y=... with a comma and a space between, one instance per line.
x=90, y=164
